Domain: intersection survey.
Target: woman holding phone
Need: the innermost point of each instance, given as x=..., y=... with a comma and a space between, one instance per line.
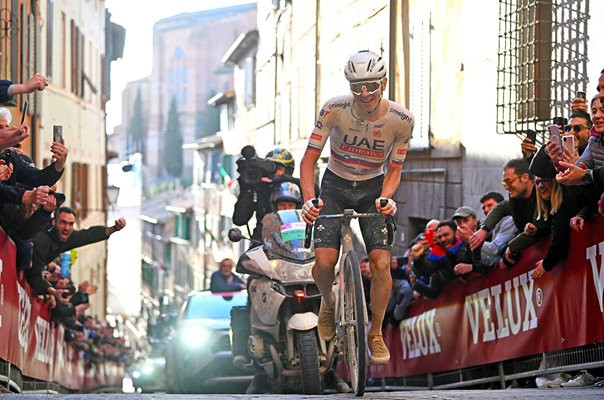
x=552, y=213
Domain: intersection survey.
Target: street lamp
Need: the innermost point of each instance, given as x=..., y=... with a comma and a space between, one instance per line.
x=112, y=194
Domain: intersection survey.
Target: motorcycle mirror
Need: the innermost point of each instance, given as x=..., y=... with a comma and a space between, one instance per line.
x=235, y=235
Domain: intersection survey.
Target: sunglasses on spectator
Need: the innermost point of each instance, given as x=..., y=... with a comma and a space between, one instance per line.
x=577, y=128
x=370, y=86
x=508, y=182
x=542, y=181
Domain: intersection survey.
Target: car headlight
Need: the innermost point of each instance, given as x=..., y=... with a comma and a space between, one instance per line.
x=147, y=369
x=136, y=374
x=194, y=336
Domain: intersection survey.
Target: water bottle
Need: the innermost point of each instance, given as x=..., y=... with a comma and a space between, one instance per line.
x=66, y=265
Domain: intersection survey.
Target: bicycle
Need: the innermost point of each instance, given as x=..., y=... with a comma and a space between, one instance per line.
x=351, y=308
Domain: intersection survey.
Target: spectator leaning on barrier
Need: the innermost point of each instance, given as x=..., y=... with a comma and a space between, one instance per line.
x=224, y=280
x=402, y=292
x=521, y=206
x=551, y=209
x=440, y=269
x=467, y=223
x=502, y=233
x=62, y=237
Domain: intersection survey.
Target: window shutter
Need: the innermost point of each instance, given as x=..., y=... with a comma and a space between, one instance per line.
x=49, y=33
x=73, y=40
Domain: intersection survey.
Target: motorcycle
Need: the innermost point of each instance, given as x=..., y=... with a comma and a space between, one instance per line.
x=284, y=306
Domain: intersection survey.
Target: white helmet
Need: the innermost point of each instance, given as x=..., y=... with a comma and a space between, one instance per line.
x=365, y=66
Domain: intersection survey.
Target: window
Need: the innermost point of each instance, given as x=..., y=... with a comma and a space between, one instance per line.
x=250, y=82
x=181, y=226
x=77, y=60
x=419, y=93
x=79, y=189
x=542, y=61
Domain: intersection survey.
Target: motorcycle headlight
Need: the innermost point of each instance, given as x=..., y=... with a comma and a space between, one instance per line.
x=194, y=336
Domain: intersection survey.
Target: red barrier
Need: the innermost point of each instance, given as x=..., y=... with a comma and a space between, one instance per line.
x=506, y=314
x=34, y=345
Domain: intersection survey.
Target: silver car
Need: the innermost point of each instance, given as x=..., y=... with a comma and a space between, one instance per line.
x=198, y=356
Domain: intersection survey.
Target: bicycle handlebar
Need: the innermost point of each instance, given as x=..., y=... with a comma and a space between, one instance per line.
x=348, y=213
x=308, y=235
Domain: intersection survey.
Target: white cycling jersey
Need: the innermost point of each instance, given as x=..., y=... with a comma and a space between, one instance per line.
x=359, y=148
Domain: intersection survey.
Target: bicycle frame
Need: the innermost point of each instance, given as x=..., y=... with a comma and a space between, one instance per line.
x=346, y=232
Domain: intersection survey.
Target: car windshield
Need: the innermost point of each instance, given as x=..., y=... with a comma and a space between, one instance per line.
x=213, y=306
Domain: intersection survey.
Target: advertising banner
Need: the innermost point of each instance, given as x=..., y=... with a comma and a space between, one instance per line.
x=505, y=314
x=35, y=345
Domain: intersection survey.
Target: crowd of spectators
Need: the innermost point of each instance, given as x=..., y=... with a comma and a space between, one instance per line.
x=44, y=233
x=551, y=190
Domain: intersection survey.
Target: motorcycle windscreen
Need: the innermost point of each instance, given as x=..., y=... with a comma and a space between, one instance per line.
x=283, y=236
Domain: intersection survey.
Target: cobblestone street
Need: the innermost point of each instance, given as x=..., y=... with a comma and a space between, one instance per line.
x=515, y=394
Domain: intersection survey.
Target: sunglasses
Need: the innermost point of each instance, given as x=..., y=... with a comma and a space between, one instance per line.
x=370, y=86
x=508, y=182
x=543, y=181
x=576, y=128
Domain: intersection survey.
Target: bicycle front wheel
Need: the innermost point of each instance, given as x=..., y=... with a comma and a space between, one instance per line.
x=355, y=323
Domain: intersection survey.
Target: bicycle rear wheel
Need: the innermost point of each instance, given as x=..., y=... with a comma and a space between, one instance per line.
x=355, y=342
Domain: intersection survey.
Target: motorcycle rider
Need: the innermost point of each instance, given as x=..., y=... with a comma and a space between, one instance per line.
x=256, y=198
x=284, y=196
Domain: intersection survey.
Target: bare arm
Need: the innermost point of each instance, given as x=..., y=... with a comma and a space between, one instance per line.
x=307, y=173
x=37, y=82
x=392, y=180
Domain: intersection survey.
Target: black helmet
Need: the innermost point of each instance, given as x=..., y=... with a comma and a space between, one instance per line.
x=283, y=157
x=286, y=191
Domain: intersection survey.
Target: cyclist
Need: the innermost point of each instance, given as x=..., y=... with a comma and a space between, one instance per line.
x=365, y=130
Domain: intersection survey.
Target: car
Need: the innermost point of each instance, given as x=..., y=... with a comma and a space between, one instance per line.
x=198, y=355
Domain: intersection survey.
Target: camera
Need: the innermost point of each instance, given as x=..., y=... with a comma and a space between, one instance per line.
x=9, y=157
x=252, y=168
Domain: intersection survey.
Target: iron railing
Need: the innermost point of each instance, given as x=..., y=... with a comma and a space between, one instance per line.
x=542, y=62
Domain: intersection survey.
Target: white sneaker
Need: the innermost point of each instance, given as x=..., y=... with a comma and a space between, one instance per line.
x=583, y=379
x=557, y=380
x=541, y=382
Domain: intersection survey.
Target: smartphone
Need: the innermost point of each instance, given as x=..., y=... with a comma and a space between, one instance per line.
x=57, y=133
x=568, y=141
x=24, y=112
x=532, y=136
x=429, y=237
x=554, y=133
x=581, y=95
